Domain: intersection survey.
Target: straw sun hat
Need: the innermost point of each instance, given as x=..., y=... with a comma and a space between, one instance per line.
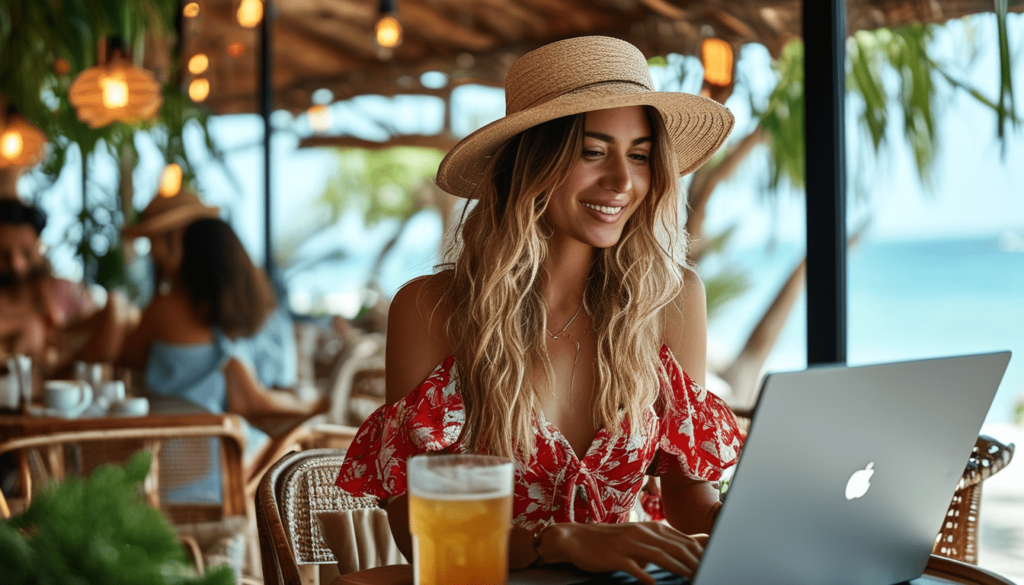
x=167, y=213
x=581, y=75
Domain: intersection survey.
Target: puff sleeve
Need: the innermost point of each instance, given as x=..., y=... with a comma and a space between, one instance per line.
x=428, y=419
x=699, y=433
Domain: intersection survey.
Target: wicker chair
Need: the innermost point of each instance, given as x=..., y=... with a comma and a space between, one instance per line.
x=357, y=386
x=291, y=497
x=182, y=457
x=958, y=538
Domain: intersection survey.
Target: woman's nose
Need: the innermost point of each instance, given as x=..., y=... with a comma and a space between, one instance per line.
x=617, y=176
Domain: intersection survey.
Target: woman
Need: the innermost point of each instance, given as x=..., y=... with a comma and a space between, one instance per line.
x=569, y=335
x=214, y=334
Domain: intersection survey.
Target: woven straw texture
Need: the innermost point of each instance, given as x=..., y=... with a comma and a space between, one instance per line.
x=581, y=75
x=958, y=538
x=308, y=490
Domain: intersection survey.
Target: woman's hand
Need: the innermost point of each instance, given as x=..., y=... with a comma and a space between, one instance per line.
x=627, y=547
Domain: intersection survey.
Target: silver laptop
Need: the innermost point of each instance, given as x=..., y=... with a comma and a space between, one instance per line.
x=847, y=472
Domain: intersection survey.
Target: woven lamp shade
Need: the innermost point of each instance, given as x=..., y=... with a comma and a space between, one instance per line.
x=21, y=143
x=115, y=91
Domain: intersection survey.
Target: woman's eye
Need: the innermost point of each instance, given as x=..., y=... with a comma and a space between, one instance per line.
x=640, y=157
x=589, y=153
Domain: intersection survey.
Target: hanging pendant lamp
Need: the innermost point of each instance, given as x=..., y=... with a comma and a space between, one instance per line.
x=116, y=90
x=21, y=143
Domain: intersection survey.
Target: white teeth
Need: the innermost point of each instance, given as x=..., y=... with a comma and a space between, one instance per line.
x=603, y=209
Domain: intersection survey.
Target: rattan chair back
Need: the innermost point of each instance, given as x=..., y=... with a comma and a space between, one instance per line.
x=298, y=488
x=179, y=455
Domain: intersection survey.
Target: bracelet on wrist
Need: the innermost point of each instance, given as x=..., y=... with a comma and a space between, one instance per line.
x=537, y=536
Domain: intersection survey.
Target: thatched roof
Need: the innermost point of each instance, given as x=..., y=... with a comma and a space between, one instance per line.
x=328, y=43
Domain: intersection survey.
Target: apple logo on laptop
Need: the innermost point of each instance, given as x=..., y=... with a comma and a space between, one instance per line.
x=859, y=482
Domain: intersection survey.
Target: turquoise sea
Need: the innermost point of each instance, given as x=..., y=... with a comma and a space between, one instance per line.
x=907, y=299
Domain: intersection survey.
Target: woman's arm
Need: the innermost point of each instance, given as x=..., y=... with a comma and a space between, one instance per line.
x=416, y=339
x=691, y=504
x=250, y=398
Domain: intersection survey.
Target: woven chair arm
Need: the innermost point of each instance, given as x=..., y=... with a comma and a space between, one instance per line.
x=988, y=457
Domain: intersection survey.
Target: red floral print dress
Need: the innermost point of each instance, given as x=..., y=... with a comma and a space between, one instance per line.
x=688, y=427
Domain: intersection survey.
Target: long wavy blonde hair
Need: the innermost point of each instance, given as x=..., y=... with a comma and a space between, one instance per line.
x=494, y=293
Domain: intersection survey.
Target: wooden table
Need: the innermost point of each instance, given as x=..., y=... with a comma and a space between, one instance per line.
x=164, y=411
x=940, y=571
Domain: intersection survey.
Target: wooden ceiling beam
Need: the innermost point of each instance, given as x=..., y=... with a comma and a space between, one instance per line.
x=435, y=27
x=442, y=142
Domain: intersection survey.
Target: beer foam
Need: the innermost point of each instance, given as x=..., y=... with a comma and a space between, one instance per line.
x=459, y=478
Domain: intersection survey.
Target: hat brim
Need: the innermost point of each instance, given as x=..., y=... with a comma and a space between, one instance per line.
x=697, y=127
x=169, y=220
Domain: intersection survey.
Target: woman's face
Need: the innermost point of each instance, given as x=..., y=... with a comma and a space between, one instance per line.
x=609, y=181
x=165, y=249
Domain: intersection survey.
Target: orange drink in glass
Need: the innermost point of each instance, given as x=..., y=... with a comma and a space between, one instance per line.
x=460, y=515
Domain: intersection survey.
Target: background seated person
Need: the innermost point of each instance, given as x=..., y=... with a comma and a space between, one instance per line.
x=50, y=319
x=213, y=334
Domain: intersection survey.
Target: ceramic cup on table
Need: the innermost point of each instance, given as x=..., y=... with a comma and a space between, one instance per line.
x=109, y=393
x=67, y=398
x=137, y=406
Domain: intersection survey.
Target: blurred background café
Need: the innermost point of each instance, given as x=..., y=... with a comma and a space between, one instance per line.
x=272, y=162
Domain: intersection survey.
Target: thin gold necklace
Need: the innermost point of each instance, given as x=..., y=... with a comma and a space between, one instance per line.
x=576, y=359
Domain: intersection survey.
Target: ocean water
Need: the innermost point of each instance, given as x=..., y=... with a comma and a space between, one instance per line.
x=907, y=300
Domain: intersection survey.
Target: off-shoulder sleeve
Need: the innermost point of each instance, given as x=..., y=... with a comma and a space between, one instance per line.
x=699, y=434
x=428, y=419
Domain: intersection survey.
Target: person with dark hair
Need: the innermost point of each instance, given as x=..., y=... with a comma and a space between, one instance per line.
x=42, y=316
x=214, y=333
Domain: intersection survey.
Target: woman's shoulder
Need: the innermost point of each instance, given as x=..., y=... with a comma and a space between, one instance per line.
x=417, y=334
x=171, y=318
x=686, y=325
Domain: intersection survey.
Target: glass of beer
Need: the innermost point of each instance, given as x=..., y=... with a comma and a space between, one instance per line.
x=460, y=515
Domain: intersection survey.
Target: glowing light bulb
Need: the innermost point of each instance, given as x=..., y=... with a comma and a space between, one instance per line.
x=250, y=13
x=389, y=32
x=191, y=10
x=11, y=143
x=716, y=55
x=198, y=63
x=320, y=118
x=235, y=49
x=115, y=90
x=170, y=180
x=199, y=89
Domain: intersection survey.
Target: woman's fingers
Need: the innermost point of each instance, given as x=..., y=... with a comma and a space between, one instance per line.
x=638, y=572
x=630, y=547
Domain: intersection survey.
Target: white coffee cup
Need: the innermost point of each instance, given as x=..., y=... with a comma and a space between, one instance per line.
x=67, y=397
x=112, y=390
x=138, y=406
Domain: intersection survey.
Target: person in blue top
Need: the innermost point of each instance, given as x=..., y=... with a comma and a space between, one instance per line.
x=213, y=334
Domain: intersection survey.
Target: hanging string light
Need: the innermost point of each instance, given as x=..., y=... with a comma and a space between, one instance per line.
x=116, y=90
x=250, y=13
x=199, y=89
x=198, y=63
x=170, y=180
x=191, y=10
x=388, y=31
x=21, y=143
x=716, y=55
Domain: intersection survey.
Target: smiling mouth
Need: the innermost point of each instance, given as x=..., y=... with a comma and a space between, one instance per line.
x=607, y=210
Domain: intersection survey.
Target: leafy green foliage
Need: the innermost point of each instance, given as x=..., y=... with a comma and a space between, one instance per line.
x=872, y=56
x=381, y=183
x=97, y=530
